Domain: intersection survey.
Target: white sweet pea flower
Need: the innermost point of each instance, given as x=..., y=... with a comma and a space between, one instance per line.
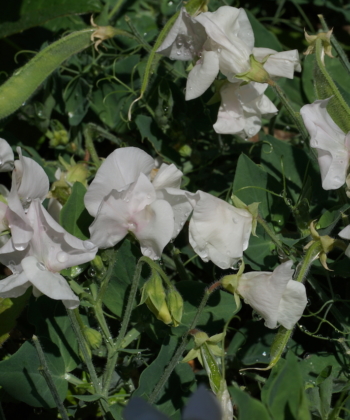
x=275, y=296
x=50, y=250
x=278, y=64
x=129, y=194
x=202, y=405
x=219, y=232
x=242, y=108
x=6, y=156
x=228, y=47
x=331, y=143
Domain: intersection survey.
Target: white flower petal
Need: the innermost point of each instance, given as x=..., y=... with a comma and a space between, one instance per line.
x=279, y=64
x=329, y=141
x=6, y=156
x=168, y=176
x=184, y=40
x=292, y=304
x=218, y=231
x=54, y=208
x=155, y=226
x=345, y=233
x=121, y=168
x=139, y=409
x=11, y=258
x=203, y=405
x=50, y=284
x=14, y=285
x=202, y=75
x=31, y=179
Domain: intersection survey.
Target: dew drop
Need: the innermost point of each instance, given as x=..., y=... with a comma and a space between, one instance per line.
x=264, y=353
x=88, y=245
x=178, y=52
x=62, y=257
x=20, y=247
x=91, y=272
x=41, y=266
x=70, y=114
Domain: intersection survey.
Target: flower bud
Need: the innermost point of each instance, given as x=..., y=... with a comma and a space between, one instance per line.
x=93, y=337
x=78, y=172
x=175, y=305
x=153, y=295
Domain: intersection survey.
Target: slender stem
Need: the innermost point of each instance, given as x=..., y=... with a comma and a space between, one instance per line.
x=178, y=354
x=90, y=146
x=75, y=320
x=179, y=264
x=342, y=56
x=44, y=369
x=115, y=9
x=124, y=326
x=280, y=245
x=310, y=256
x=295, y=115
x=107, y=277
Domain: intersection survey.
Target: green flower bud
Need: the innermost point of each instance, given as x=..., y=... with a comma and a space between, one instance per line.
x=153, y=295
x=175, y=305
x=93, y=337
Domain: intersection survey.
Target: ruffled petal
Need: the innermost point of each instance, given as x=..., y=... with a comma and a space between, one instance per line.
x=202, y=405
x=292, y=304
x=14, y=285
x=184, y=40
x=11, y=257
x=168, y=176
x=202, y=75
x=31, y=179
x=121, y=168
x=329, y=141
x=218, y=231
x=155, y=227
x=50, y=284
x=279, y=64
x=6, y=156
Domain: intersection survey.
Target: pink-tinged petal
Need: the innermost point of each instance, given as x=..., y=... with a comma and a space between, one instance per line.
x=292, y=304
x=53, y=245
x=180, y=204
x=329, y=141
x=155, y=227
x=168, y=176
x=184, y=40
x=31, y=179
x=139, y=409
x=121, y=168
x=202, y=405
x=6, y=156
x=14, y=285
x=50, y=284
x=230, y=117
x=202, y=75
x=263, y=291
x=218, y=231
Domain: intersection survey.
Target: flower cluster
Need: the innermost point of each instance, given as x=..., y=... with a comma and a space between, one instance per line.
x=39, y=248
x=223, y=41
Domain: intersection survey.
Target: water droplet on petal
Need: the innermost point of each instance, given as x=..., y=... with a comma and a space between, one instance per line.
x=20, y=247
x=41, y=266
x=88, y=245
x=62, y=257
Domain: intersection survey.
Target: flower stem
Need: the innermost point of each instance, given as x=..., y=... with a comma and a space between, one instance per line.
x=304, y=267
x=178, y=354
x=275, y=239
x=112, y=359
x=48, y=378
x=89, y=144
x=295, y=115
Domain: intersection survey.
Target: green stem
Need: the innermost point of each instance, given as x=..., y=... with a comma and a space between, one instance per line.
x=179, y=264
x=275, y=239
x=295, y=115
x=112, y=359
x=107, y=277
x=115, y=9
x=310, y=256
x=342, y=56
x=44, y=369
x=178, y=354
x=89, y=144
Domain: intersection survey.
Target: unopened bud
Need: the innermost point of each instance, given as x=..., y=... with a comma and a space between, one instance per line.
x=175, y=305
x=93, y=337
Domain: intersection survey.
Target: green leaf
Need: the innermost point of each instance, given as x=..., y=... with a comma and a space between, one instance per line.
x=283, y=392
x=151, y=132
x=119, y=284
x=76, y=100
x=259, y=254
x=88, y=398
x=263, y=37
x=248, y=408
x=52, y=323
x=21, y=378
x=74, y=216
x=19, y=16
